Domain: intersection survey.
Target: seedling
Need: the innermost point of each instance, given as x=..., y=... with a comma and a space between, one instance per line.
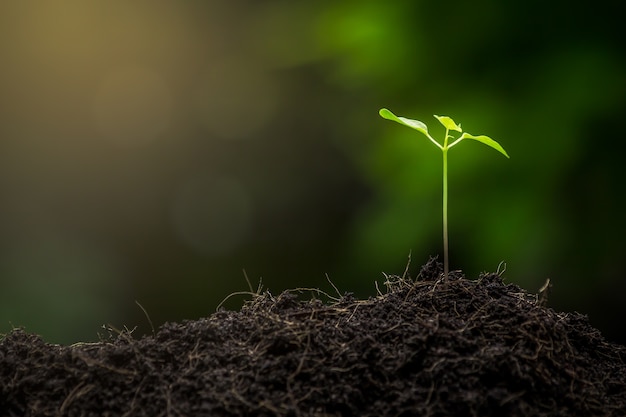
x=449, y=125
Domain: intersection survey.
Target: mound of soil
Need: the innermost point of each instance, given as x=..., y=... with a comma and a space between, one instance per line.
x=429, y=347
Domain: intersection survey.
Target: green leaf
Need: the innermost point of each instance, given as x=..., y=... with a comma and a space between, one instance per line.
x=448, y=123
x=486, y=140
x=414, y=124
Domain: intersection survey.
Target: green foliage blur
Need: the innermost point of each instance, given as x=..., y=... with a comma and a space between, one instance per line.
x=153, y=152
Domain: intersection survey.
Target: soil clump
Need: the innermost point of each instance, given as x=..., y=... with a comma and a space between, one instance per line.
x=433, y=346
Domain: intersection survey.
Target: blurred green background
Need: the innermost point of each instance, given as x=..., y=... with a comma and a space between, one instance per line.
x=153, y=151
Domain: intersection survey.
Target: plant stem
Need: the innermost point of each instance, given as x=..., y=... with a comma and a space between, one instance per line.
x=445, y=213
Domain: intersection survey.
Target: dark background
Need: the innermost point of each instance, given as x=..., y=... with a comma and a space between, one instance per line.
x=153, y=151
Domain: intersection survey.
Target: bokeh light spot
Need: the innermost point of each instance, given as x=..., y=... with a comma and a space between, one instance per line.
x=234, y=99
x=212, y=216
x=132, y=106
x=61, y=287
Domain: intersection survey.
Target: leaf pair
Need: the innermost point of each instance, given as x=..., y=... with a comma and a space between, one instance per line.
x=449, y=124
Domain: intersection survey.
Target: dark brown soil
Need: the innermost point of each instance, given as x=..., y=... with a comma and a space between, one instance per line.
x=430, y=347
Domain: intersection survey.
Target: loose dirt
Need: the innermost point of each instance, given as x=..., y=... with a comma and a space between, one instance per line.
x=425, y=347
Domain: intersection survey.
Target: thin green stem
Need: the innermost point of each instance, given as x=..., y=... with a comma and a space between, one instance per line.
x=444, y=150
x=445, y=213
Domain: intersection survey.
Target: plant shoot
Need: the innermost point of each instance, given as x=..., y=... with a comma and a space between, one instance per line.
x=448, y=142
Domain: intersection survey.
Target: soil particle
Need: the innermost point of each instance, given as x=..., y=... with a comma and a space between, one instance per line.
x=426, y=347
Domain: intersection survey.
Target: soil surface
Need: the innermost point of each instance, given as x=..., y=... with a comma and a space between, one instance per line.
x=426, y=347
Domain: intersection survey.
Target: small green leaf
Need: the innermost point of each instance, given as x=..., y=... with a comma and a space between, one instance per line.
x=486, y=140
x=414, y=124
x=448, y=123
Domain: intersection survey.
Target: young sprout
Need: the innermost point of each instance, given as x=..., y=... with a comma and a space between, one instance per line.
x=449, y=125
